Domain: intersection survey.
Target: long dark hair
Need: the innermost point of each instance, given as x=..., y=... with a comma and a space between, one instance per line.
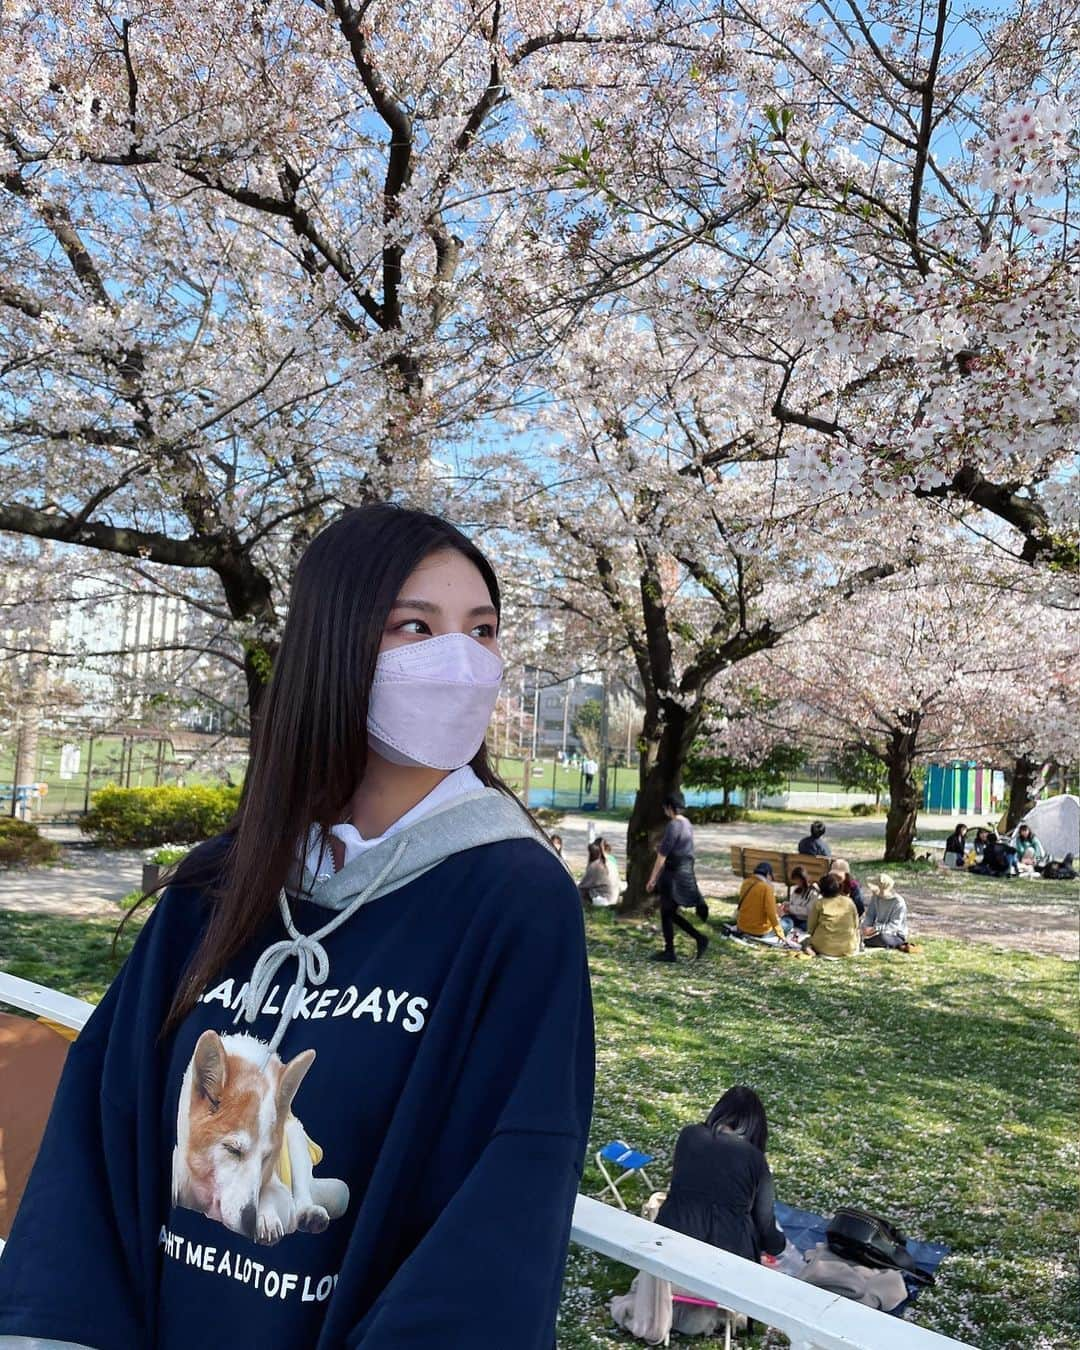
x=740, y=1109
x=309, y=744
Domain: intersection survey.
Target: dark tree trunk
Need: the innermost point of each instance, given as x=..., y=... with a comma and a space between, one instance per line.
x=904, y=797
x=666, y=739
x=1026, y=782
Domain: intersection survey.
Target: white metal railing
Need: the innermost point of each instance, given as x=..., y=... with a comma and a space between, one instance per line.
x=42, y=1002
x=811, y=1318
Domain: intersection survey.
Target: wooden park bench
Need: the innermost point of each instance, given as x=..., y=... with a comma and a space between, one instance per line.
x=744, y=860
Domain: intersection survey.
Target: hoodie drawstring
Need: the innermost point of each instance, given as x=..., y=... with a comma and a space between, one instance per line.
x=312, y=962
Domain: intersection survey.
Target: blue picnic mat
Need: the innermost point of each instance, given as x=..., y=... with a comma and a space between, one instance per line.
x=805, y=1230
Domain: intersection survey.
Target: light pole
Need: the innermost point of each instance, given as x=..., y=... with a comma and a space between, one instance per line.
x=602, y=802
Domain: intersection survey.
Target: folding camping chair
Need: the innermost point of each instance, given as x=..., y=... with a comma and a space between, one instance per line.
x=689, y=1300
x=622, y=1155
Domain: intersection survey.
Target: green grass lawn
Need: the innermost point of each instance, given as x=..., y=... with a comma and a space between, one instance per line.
x=940, y=1089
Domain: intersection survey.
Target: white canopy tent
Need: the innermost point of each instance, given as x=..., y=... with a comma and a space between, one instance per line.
x=1056, y=821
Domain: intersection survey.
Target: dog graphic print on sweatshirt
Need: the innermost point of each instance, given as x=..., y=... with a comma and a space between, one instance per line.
x=242, y=1156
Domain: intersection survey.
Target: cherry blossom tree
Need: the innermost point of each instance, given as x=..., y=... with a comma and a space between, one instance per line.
x=869, y=215
x=922, y=668
x=686, y=572
x=258, y=263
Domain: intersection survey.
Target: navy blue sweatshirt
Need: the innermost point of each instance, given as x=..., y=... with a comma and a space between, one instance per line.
x=401, y=1171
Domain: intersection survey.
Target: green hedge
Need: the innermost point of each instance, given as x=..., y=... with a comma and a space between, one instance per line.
x=143, y=817
x=21, y=844
x=717, y=814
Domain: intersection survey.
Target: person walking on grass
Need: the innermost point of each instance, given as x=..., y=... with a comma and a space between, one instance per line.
x=674, y=877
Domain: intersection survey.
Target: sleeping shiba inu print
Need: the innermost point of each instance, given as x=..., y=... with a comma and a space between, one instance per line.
x=241, y=1156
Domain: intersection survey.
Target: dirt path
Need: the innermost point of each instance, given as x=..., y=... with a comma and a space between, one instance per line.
x=85, y=883
x=1037, y=916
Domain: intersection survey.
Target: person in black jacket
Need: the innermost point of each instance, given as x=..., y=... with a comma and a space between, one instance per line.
x=814, y=844
x=673, y=876
x=721, y=1187
x=957, y=843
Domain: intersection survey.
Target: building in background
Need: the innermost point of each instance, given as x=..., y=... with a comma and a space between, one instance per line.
x=121, y=648
x=556, y=707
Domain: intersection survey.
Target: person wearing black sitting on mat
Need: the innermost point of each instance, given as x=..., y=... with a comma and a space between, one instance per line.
x=721, y=1187
x=956, y=844
x=814, y=844
x=673, y=876
x=997, y=858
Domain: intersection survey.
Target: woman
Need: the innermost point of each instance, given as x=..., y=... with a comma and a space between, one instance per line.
x=673, y=873
x=557, y=844
x=595, y=886
x=832, y=927
x=803, y=894
x=956, y=844
x=885, y=923
x=982, y=838
x=1025, y=838
x=849, y=884
x=757, y=916
x=352, y=1026
x=721, y=1187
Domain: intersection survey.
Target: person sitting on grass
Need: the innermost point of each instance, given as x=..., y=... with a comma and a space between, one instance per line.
x=885, y=923
x=849, y=884
x=982, y=838
x=556, y=843
x=997, y=857
x=803, y=894
x=814, y=844
x=595, y=886
x=957, y=843
x=757, y=915
x=1025, y=838
x=832, y=928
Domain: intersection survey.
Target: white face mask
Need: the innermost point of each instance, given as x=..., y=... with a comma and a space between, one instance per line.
x=431, y=701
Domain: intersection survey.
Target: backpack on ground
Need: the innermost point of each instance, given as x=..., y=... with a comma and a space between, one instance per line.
x=872, y=1241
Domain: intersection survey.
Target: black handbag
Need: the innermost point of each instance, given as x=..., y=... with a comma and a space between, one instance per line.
x=871, y=1241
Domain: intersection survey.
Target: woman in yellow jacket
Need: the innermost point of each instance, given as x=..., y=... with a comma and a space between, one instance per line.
x=832, y=926
x=757, y=916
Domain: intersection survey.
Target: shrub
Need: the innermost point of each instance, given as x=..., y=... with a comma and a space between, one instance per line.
x=864, y=809
x=143, y=817
x=716, y=815
x=22, y=845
